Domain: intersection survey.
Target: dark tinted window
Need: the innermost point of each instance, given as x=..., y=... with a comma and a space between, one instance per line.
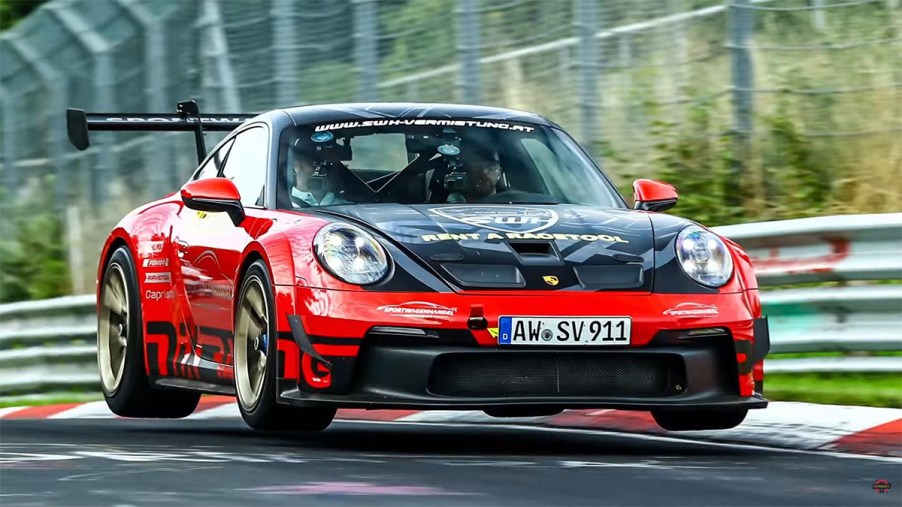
x=414, y=161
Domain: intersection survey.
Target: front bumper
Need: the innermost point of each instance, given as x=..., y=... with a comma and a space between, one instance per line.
x=448, y=369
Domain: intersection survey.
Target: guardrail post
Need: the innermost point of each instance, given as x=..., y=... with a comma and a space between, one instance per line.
x=54, y=86
x=585, y=20
x=9, y=175
x=283, y=14
x=104, y=94
x=156, y=157
x=740, y=24
x=217, y=70
x=469, y=45
x=818, y=15
x=678, y=56
x=75, y=248
x=365, y=49
x=625, y=63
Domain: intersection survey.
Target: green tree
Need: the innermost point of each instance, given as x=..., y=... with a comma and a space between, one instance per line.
x=33, y=261
x=11, y=11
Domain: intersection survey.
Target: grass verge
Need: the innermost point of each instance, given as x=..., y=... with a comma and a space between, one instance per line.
x=49, y=399
x=870, y=389
x=802, y=355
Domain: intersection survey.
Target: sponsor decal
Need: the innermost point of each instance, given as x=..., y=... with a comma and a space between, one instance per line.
x=692, y=310
x=494, y=236
x=418, y=309
x=164, y=277
x=159, y=295
x=424, y=122
x=156, y=263
x=149, y=248
x=504, y=219
x=206, y=119
x=551, y=280
x=206, y=288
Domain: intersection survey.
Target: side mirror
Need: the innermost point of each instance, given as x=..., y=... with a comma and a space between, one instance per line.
x=215, y=195
x=651, y=195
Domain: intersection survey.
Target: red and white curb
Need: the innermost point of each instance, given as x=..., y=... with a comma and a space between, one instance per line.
x=805, y=426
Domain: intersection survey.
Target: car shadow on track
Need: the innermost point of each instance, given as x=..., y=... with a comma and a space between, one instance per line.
x=463, y=439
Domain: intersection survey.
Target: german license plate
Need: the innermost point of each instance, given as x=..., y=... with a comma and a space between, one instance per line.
x=572, y=331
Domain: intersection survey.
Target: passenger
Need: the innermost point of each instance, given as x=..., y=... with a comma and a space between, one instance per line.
x=311, y=184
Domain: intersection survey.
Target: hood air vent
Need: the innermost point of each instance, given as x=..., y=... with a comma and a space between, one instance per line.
x=536, y=253
x=486, y=276
x=623, y=276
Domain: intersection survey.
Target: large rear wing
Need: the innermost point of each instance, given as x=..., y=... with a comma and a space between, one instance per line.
x=186, y=119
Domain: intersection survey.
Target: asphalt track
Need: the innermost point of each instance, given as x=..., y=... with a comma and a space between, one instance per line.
x=220, y=462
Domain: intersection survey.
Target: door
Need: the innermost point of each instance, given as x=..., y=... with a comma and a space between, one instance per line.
x=209, y=246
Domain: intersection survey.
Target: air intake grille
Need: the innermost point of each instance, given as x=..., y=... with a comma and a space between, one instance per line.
x=556, y=374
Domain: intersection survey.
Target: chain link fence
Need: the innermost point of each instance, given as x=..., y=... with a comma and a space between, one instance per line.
x=624, y=76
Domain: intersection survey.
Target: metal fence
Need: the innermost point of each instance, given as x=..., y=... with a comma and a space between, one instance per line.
x=622, y=75
x=848, y=310
x=50, y=345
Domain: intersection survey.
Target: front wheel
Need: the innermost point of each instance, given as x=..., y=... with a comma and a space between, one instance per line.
x=706, y=419
x=255, y=361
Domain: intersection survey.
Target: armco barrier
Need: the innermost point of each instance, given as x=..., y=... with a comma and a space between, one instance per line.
x=49, y=345
x=847, y=311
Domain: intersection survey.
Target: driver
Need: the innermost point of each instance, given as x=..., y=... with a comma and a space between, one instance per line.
x=483, y=172
x=310, y=188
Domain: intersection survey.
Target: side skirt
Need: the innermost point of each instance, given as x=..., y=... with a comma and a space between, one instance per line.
x=193, y=385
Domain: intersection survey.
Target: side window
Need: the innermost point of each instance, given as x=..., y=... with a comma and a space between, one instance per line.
x=246, y=165
x=214, y=163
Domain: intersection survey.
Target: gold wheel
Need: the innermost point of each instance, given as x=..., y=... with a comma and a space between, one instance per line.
x=251, y=343
x=112, y=335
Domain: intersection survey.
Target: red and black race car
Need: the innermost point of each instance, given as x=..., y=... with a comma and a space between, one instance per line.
x=426, y=256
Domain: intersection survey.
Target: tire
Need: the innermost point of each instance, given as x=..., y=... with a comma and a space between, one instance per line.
x=687, y=420
x=120, y=349
x=255, y=370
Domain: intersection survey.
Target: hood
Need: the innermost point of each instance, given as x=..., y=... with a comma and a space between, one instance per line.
x=538, y=247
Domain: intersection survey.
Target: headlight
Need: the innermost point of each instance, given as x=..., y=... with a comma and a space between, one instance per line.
x=704, y=257
x=351, y=254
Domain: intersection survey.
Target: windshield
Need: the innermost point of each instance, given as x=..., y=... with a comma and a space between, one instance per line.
x=419, y=161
